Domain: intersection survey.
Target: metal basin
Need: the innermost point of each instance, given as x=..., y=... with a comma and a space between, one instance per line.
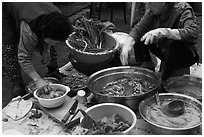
x=87, y=57
x=170, y=130
x=98, y=80
x=188, y=85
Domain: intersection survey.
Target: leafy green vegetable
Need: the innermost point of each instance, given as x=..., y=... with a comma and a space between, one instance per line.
x=90, y=32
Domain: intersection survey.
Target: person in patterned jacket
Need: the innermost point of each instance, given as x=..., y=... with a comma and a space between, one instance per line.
x=29, y=27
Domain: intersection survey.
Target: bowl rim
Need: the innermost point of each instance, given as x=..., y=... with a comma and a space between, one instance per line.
x=90, y=53
x=164, y=127
x=117, y=105
x=43, y=99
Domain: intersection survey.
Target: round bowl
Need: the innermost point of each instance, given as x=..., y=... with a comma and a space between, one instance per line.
x=167, y=124
x=91, y=57
x=98, y=80
x=89, y=69
x=188, y=85
x=31, y=86
x=97, y=113
x=54, y=102
x=176, y=107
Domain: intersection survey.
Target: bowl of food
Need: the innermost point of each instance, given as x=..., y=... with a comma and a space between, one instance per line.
x=92, y=55
x=31, y=86
x=116, y=119
x=91, y=41
x=187, y=85
x=75, y=81
x=125, y=85
x=55, y=97
x=163, y=121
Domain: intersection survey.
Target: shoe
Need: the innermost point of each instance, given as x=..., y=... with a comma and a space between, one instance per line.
x=18, y=89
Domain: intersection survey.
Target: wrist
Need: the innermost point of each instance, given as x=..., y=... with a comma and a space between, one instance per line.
x=168, y=33
x=35, y=76
x=173, y=34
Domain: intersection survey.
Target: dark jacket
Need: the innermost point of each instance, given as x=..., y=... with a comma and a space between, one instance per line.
x=174, y=54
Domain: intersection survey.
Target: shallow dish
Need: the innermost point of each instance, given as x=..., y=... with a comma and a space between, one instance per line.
x=162, y=122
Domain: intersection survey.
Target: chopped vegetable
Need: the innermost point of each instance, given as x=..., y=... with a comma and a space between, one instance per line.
x=127, y=86
x=75, y=81
x=51, y=93
x=115, y=124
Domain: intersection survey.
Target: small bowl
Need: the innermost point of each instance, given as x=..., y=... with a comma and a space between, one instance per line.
x=98, y=112
x=54, y=102
x=176, y=107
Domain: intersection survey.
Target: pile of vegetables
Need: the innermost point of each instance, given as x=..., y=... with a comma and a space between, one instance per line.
x=50, y=94
x=126, y=86
x=112, y=125
x=75, y=81
x=89, y=34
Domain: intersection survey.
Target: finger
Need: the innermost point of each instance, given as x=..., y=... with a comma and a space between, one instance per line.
x=46, y=89
x=152, y=39
x=40, y=90
x=148, y=39
x=49, y=88
x=144, y=37
x=123, y=60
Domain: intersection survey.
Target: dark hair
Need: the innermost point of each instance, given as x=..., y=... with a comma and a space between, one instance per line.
x=54, y=25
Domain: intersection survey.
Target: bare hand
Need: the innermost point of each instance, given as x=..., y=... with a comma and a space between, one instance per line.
x=43, y=86
x=126, y=48
x=153, y=36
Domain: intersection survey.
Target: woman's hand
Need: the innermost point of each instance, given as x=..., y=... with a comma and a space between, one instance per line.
x=42, y=85
x=126, y=48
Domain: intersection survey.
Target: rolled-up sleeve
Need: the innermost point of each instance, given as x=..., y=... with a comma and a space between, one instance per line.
x=27, y=45
x=189, y=32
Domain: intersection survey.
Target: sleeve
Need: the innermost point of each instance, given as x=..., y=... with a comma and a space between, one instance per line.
x=143, y=26
x=27, y=45
x=188, y=32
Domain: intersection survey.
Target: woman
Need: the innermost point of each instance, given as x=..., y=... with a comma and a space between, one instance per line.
x=169, y=31
x=30, y=27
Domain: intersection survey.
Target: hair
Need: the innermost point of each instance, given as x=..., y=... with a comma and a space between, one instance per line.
x=54, y=25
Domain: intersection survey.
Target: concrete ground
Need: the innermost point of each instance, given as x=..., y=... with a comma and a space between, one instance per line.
x=70, y=10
